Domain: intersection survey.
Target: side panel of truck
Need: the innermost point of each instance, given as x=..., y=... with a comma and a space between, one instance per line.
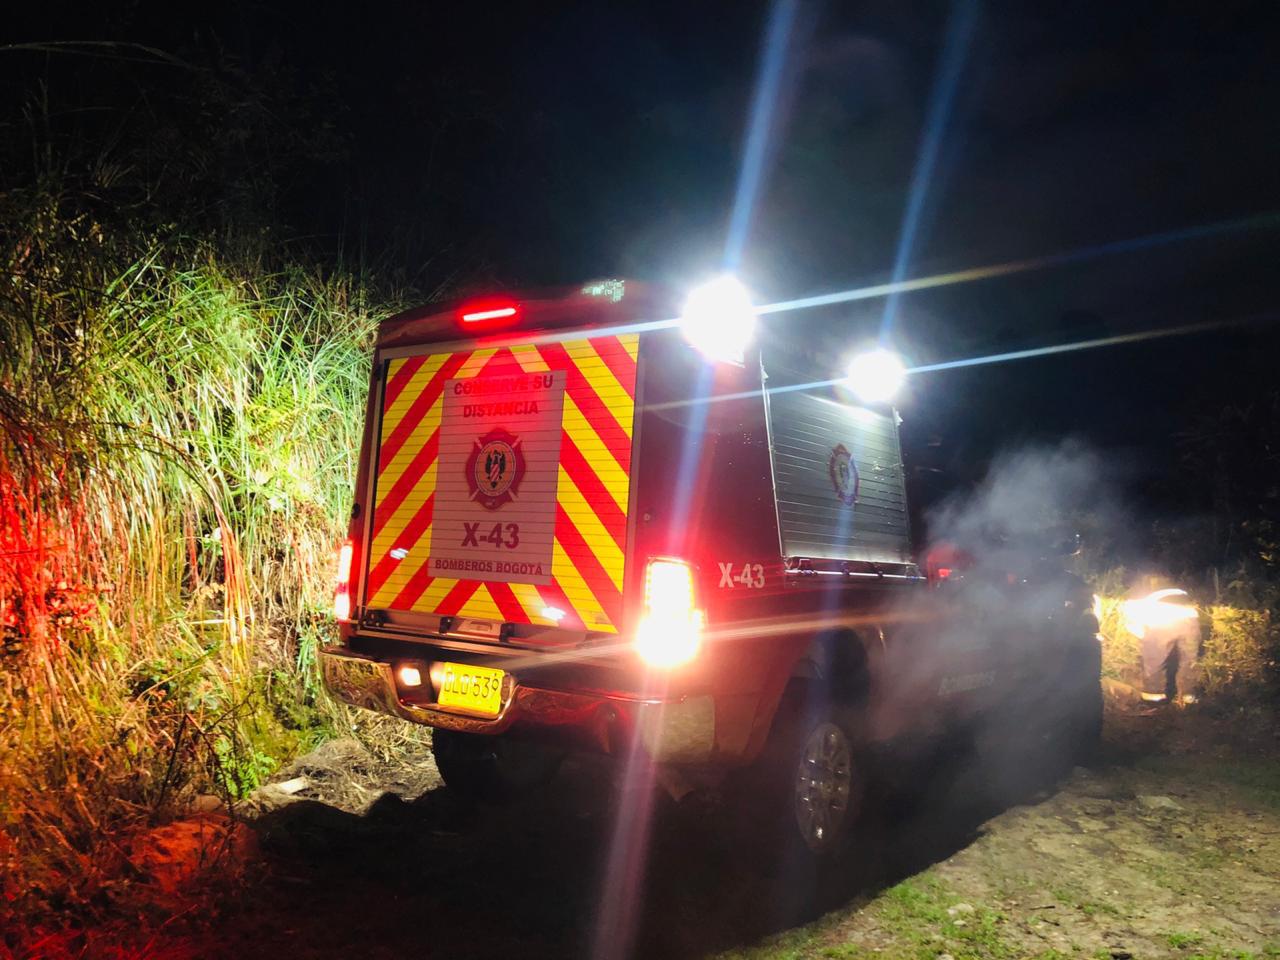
x=501, y=483
x=837, y=471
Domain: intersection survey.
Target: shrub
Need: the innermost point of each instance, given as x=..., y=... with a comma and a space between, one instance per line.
x=1237, y=652
x=1237, y=658
x=177, y=431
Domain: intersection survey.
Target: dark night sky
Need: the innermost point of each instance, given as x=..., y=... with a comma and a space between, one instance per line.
x=546, y=142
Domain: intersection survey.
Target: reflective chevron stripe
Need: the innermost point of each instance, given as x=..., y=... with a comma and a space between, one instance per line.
x=587, y=544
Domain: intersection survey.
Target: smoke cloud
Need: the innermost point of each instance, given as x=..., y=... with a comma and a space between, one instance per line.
x=1004, y=644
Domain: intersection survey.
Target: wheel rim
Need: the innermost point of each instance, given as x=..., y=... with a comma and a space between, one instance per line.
x=824, y=782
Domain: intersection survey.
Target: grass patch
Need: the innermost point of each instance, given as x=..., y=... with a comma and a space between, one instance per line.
x=922, y=915
x=921, y=919
x=1255, y=781
x=1090, y=908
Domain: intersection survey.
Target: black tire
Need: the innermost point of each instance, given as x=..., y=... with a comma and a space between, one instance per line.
x=492, y=769
x=1086, y=724
x=1072, y=724
x=804, y=795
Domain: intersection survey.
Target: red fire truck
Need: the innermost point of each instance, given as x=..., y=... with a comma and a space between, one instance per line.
x=582, y=525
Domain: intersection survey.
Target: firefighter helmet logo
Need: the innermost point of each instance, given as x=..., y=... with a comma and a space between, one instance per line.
x=844, y=475
x=495, y=468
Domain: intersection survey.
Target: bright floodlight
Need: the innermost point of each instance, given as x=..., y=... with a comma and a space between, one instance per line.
x=877, y=376
x=719, y=319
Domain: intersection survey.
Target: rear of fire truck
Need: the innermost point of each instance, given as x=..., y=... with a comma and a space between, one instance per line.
x=504, y=580
x=582, y=525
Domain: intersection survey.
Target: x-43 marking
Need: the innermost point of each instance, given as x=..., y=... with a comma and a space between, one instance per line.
x=751, y=576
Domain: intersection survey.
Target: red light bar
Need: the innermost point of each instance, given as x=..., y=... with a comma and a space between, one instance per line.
x=492, y=312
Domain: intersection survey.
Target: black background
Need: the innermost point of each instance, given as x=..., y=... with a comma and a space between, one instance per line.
x=481, y=145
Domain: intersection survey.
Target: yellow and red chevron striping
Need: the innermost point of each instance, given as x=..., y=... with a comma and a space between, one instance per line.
x=591, y=496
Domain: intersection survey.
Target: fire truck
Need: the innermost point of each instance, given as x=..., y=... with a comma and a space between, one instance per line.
x=594, y=519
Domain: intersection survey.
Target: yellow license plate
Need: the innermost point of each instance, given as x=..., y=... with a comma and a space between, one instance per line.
x=478, y=689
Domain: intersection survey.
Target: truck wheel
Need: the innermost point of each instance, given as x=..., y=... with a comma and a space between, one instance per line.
x=823, y=781
x=808, y=786
x=1086, y=726
x=1069, y=732
x=492, y=769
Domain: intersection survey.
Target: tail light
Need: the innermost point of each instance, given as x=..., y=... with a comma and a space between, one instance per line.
x=670, y=628
x=489, y=313
x=342, y=590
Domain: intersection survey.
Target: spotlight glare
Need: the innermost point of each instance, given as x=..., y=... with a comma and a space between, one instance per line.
x=877, y=375
x=719, y=319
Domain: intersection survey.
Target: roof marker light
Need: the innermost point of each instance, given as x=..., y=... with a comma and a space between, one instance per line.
x=481, y=315
x=490, y=312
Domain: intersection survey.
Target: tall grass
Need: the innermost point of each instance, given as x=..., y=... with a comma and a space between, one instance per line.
x=177, y=432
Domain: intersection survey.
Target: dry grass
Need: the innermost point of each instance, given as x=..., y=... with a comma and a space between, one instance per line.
x=176, y=456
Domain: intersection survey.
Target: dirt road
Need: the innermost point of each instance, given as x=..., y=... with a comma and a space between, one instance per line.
x=1169, y=846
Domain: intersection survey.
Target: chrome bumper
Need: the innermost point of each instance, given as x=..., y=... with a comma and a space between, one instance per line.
x=673, y=731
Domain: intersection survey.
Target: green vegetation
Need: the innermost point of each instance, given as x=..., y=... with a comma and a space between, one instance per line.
x=177, y=430
x=1237, y=659
x=919, y=911
x=919, y=918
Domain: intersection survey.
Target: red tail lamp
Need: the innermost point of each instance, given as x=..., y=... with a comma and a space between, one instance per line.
x=489, y=313
x=670, y=629
x=342, y=590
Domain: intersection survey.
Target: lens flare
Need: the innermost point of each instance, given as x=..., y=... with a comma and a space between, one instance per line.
x=1157, y=611
x=877, y=375
x=959, y=38
x=718, y=319
x=755, y=152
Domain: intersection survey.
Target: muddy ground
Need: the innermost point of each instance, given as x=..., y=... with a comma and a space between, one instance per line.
x=1168, y=845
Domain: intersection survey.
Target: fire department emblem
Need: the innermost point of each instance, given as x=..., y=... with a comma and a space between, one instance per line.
x=495, y=468
x=844, y=475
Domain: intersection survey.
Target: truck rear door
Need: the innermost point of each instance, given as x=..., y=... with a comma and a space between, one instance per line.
x=501, y=485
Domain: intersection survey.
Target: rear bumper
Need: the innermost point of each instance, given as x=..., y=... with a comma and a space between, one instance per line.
x=676, y=730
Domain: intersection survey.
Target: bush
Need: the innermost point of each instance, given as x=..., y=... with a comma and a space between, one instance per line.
x=1237, y=653
x=177, y=438
x=1121, y=658
x=1237, y=658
